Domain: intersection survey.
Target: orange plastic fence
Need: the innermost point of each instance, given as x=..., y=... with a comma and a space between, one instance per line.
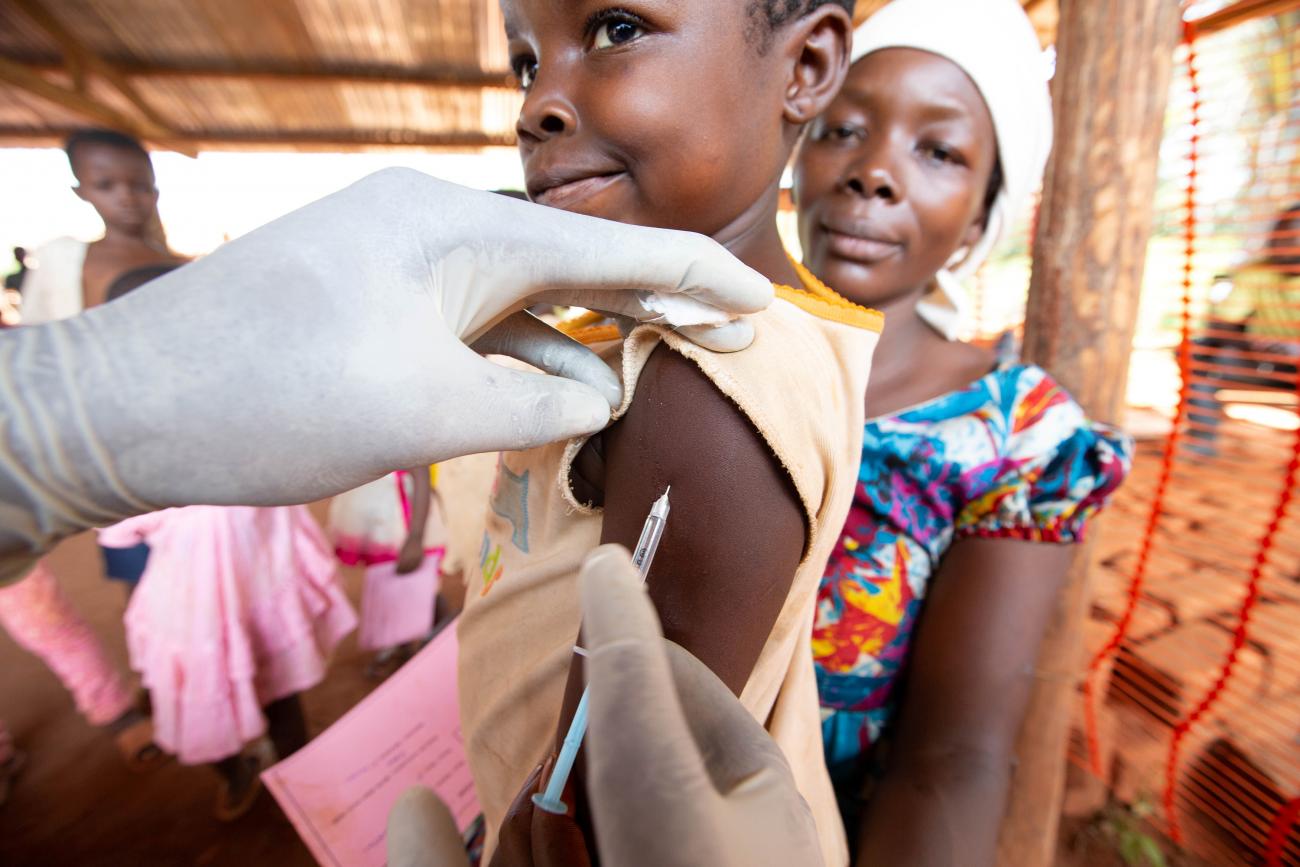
x=1193, y=685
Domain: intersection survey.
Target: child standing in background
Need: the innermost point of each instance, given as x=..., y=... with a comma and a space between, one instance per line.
x=393, y=527
x=238, y=611
x=114, y=175
x=59, y=280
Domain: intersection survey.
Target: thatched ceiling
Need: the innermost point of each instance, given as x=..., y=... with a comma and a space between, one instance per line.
x=336, y=74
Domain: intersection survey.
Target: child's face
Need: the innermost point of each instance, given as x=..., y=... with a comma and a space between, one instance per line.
x=118, y=183
x=655, y=112
x=892, y=178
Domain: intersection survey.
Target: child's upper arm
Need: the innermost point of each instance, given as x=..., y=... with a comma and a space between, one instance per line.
x=736, y=532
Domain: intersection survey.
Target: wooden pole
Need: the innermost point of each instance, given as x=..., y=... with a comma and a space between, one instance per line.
x=1113, y=66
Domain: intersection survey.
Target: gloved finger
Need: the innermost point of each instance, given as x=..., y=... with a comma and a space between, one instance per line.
x=527, y=338
x=734, y=745
x=731, y=336
x=422, y=832
x=599, y=258
x=648, y=787
x=503, y=409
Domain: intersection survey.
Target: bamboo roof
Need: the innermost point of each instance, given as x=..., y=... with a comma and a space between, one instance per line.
x=335, y=74
x=247, y=74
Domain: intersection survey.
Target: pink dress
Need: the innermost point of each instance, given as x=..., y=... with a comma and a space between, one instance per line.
x=237, y=607
x=369, y=525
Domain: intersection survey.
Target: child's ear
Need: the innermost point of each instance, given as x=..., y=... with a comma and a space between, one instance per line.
x=819, y=46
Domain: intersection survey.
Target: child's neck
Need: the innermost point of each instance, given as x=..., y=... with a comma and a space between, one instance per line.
x=118, y=236
x=753, y=239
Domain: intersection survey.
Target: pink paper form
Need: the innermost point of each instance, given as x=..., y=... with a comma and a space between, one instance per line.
x=338, y=789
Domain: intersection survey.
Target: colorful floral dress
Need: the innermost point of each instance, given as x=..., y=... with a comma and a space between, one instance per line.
x=1009, y=456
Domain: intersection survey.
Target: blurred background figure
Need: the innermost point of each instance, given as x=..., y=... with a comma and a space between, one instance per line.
x=11, y=295
x=114, y=175
x=392, y=527
x=1252, y=328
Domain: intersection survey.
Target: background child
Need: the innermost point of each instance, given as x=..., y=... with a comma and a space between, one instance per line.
x=974, y=475
x=114, y=175
x=126, y=565
x=676, y=115
x=237, y=612
x=392, y=526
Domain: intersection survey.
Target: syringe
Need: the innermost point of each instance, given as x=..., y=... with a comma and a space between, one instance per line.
x=642, y=557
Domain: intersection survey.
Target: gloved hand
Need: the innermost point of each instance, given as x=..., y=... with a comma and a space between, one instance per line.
x=678, y=772
x=422, y=832
x=329, y=347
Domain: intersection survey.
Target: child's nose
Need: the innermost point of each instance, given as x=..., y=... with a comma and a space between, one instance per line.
x=547, y=111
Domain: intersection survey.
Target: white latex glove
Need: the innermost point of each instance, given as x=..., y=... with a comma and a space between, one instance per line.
x=678, y=772
x=422, y=832
x=328, y=348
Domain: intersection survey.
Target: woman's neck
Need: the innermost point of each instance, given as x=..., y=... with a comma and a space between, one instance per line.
x=913, y=363
x=903, y=338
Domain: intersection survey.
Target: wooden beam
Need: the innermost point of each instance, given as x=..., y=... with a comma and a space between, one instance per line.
x=25, y=79
x=290, y=139
x=450, y=78
x=80, y=59
x=1113, y=71
x=1241, y=12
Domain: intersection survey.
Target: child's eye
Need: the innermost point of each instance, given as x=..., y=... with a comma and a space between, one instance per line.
x=940, y=153
x=613, y=27
x=525, y=70
x=616, y=33
x=843, y=132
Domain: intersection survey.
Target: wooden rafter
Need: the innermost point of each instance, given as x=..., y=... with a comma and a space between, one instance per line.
x=468, y=79
x=30, y=81
x=80, y=60
x=1241, y=12
x=297, y=140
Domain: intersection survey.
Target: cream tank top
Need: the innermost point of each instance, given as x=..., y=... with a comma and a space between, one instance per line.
x=522, y=611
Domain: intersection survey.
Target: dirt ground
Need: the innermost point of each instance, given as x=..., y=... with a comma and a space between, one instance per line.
x=76, y=803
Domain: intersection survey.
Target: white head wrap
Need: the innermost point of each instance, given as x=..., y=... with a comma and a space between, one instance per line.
x=996, y=46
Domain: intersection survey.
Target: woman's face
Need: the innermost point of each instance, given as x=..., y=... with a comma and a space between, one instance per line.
x=892, y=179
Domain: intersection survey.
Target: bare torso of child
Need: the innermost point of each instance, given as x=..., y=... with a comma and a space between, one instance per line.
x=110, y=258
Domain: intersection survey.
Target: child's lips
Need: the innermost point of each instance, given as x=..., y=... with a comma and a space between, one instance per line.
x=569, y=194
